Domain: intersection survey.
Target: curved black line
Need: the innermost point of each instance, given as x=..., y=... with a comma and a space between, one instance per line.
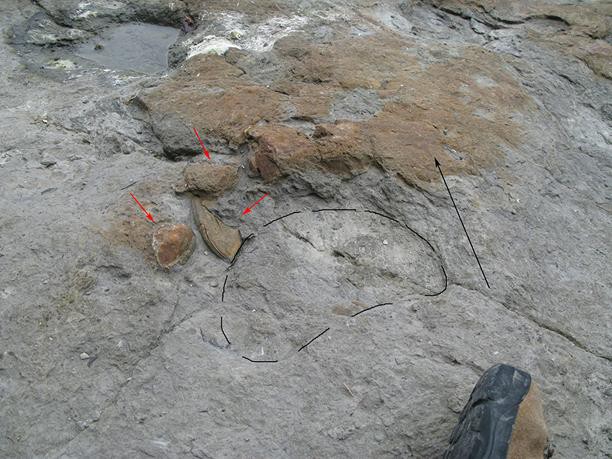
x=371, y=307
x=416, y=233
x=259, y=361
x=280, y=218
x=333, y=210
x=244, y=241
x=319, y=335
x=445, y=283
x=223, y=331
x=223, y=291
x=383, y=215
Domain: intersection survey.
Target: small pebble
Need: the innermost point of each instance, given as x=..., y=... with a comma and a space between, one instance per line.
x=214, y=284
x=84, y=356
x=235, y=35
x=385, y=242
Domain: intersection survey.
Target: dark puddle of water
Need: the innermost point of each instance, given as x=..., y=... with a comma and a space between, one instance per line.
x=134, y=46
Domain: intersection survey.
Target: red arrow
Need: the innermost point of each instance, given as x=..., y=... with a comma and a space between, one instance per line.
x=248, y=209
x=202, y=143
x=149, y=216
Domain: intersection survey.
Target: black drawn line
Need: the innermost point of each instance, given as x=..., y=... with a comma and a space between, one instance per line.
x=334, y=210
x=280, y=218
x=416, y=233
x=127, y=186
x=223, y=291
x=259, y=361
x=223, y=331
x=462, y=224
x=320, y=334
x=371, y=307
x=445, y=284
x=382, y=215
x=244, y=241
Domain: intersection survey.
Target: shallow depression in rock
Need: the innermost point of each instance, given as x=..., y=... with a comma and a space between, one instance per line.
x=322, y=266
x=134, y=46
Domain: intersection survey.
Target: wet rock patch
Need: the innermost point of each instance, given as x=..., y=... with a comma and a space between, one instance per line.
x=137, y=47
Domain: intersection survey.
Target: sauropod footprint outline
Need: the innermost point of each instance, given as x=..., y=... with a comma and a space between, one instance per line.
x=252, y=236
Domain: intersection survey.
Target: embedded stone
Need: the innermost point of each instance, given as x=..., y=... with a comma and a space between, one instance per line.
x=222, y=239
x=173, y=244
x=206, y=178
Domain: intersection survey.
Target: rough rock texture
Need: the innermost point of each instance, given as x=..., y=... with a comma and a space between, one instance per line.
x=207, y=179
x=322, y=105
x=221, y=238
x=173, y=244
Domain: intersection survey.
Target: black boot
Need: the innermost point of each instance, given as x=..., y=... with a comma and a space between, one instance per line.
x=502, y=420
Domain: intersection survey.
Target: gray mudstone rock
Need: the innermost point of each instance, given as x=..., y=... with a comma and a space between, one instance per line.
x=167, y=384
x=177, y=138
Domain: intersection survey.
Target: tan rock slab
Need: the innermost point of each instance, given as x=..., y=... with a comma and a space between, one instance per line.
x=173, y=244
x=221, y=238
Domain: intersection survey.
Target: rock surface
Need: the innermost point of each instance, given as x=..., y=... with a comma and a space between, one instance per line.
x=173, y=244
x=321, y=105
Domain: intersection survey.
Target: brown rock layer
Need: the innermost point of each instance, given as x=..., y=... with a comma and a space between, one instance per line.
x=460, y=109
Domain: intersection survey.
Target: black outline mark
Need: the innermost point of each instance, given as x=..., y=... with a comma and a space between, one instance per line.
x=333, y=210
x=127, y=186
x=371, y=307
x=445, y=283
x=280, y=218
x=417, y=234
x=244, y=241
x=223, y=291
x=223, y=331
x=413, y=231
x=462, y=224
x=259, y=361
x=383, y=215
x=318, y=336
